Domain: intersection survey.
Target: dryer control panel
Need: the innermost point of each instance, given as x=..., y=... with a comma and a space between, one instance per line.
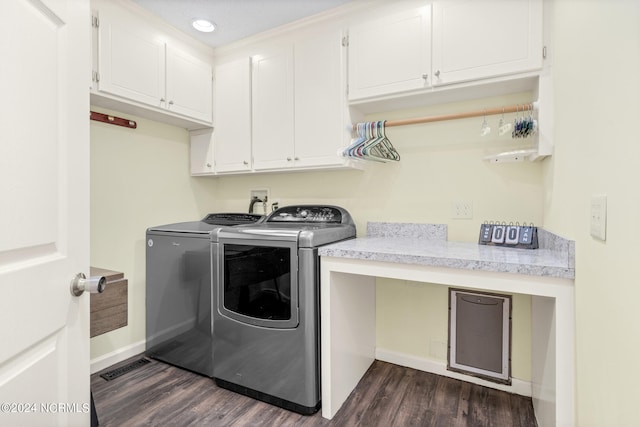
x=307, y=213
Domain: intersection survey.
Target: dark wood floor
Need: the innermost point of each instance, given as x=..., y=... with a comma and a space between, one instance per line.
x=158, y=394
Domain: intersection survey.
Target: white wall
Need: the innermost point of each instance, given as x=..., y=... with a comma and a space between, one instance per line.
x=139, y=178
x=597, y=103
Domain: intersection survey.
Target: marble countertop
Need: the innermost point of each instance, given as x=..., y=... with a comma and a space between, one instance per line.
x=388, y=242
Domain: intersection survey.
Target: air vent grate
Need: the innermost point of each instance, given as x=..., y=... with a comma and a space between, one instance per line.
x=115, y=373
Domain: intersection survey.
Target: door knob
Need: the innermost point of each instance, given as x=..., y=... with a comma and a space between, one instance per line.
x=93, y=285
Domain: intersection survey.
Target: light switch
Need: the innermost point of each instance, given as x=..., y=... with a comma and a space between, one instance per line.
x=599, y=217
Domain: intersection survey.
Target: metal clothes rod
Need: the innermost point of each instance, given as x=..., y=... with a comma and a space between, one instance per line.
x=519, y=108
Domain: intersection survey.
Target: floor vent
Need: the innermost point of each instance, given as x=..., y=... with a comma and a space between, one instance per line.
x=115, y=373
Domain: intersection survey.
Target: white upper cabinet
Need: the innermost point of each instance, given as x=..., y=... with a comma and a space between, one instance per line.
x=299, y=104
x=478, y=39
x=140, y=65
x=447, y=42
x=391, y=54
x=232, y=133
x=283, y=109
x=273, y=109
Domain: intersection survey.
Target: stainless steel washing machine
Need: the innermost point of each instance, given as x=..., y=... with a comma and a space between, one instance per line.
x=266, y=326
x=179, y=297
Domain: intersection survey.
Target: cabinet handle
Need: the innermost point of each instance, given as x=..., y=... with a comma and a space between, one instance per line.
x=425, y=76
x=437, y=73
x=208, y=165
x=245, y=163
x=296, y=158
x=162, y=100
x=288, y=159
x=170, y=102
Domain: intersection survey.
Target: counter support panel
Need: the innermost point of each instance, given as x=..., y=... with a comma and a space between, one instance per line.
x=348, y=323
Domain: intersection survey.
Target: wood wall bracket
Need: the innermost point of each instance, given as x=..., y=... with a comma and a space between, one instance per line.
x=112, y=120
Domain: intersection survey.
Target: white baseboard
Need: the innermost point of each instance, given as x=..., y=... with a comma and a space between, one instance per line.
x=517, y=386
x=109, y=359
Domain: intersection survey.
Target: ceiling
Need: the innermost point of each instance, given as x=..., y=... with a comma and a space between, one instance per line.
x=234, y=19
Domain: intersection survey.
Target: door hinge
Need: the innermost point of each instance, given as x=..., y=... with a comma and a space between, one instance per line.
x=345, y=41
x=95, y=22
x=544, y=52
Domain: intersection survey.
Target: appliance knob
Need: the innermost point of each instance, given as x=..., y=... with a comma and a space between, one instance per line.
x=304, y=213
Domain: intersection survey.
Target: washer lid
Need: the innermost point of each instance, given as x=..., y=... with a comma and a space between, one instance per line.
x=192, y=227
x=210, y=223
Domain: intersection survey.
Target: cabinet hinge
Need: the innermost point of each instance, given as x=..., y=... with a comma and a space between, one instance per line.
x=95, y=22
x=544, y=52
x=345, y=41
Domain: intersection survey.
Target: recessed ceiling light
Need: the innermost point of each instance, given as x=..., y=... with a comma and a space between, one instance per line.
x=203, y=25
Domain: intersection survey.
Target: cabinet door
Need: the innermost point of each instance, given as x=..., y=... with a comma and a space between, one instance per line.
x=320, y=101
x=131, y=61
x=201, y=152
x=479, y=39
x=232, y=133
x=189, y=85
x=273, y=116
x=391, y=54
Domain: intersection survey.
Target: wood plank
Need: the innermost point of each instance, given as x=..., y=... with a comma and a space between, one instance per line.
x=115, y=294
x=388, y=395
x=109, y=310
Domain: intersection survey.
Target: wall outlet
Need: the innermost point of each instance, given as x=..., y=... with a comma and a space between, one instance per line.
x=462, y=209
x=599, y=217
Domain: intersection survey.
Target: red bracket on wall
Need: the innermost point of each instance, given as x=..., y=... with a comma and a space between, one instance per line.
x=112, y=120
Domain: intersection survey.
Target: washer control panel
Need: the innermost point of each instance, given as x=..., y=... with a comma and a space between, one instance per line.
x=307, y=213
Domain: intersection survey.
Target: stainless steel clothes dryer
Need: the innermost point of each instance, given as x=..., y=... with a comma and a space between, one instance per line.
x=179, y=296
x=266, y=326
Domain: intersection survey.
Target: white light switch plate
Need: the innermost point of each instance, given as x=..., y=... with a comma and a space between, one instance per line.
x=599, y=217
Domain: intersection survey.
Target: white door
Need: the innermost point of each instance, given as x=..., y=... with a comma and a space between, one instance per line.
x=44, y=212
x=390, y=54
x=131, y=60
x=232, y=134
x=189, y=85
x=320, y=126
x=273, y=115
x=201, y=152
x=479, y=39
